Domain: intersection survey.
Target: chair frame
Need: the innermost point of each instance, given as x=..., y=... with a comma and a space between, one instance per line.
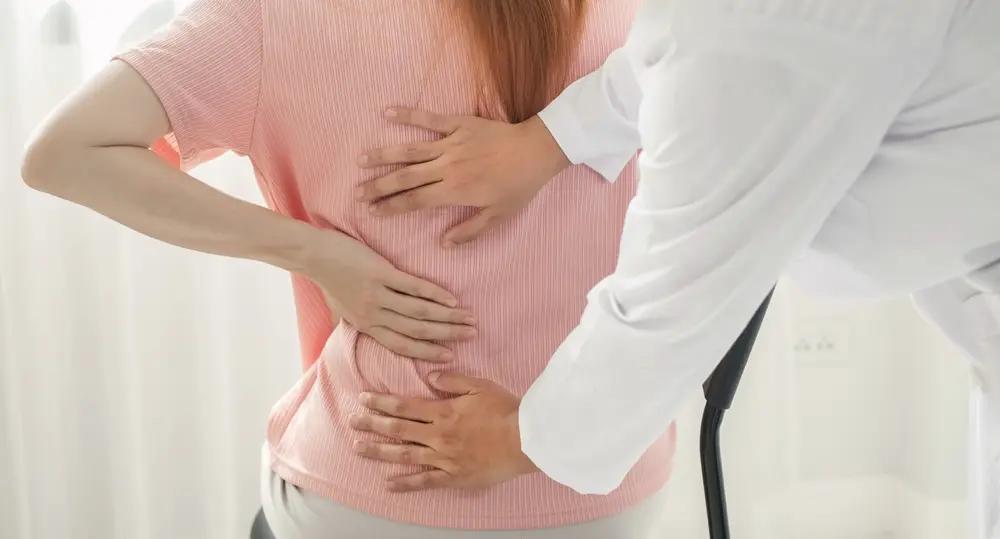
x=720, y=388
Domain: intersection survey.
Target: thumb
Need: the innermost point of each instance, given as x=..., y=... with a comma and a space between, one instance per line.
x=455, y=383
x=471, y=229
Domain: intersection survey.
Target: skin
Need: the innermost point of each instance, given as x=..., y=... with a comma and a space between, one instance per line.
x=471, y=440
x=468, y=441
x=93, y=151
x=490, y=165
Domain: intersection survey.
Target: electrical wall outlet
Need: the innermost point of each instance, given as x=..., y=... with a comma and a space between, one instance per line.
x=820, y=339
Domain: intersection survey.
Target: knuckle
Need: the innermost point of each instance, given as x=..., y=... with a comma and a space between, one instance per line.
x=407, y=455
x=395, y=428
x=421, y=332
x=400, y=177
x=396, y=407
x=446, y=415
x=449, y=444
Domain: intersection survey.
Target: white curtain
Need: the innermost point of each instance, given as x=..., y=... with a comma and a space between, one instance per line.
x=136, y=378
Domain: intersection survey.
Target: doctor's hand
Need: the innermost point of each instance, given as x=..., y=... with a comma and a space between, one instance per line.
x=491, y=165
x=406, y=314
x=469, y=441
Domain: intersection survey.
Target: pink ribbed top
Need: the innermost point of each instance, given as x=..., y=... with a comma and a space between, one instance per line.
x=300, y=86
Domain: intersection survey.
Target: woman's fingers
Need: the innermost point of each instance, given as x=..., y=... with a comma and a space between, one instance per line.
x=404, y=179
x=409, y=347
x=404, y=154
x=422, y=309
x=419, y=288
x=438, y=123
x=424, y=330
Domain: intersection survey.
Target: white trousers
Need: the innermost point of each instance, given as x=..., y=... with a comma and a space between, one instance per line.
x=293, y=513
x=968, y=311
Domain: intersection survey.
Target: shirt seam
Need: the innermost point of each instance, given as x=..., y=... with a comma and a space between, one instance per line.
x=260, y=79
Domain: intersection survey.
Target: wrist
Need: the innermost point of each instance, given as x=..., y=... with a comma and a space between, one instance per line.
x=525, y=465
x=543, y=147
x=301, y=249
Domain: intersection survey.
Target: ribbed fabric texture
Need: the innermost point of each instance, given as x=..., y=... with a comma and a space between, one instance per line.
x=300, y=87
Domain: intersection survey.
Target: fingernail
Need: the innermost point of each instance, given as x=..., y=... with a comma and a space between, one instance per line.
x=469, y=333
x=447, y=355
x=448, y=244
x=469, y=320
x=353, y=419
x=389, y=485
x=365, y=398
x=358, y=446
x=373, y=209
x=391, y=113
x=433, y=377
x=363, y=160
x=359, y=193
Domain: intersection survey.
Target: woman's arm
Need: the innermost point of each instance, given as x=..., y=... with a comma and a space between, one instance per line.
x=94, y=151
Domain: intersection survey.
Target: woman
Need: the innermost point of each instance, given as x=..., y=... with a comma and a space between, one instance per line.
x=299, y=86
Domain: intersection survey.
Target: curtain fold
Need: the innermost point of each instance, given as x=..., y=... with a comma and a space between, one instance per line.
x=136, y=378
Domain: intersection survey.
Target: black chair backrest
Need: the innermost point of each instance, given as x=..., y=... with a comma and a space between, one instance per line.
x=720, y=388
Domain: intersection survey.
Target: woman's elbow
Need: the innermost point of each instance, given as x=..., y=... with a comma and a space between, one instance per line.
x=46, y=158
x=33, y=167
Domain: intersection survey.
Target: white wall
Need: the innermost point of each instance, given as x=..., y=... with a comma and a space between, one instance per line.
x=863, y=441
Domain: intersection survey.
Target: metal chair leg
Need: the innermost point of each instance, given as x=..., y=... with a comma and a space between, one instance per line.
x=720, y=389
x=261, y=529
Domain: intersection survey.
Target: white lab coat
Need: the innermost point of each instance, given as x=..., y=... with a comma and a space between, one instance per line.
x=852, y=143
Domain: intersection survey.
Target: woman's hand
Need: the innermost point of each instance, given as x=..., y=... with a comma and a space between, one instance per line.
x=491, y=165
x=402, y=312
x=471, y=440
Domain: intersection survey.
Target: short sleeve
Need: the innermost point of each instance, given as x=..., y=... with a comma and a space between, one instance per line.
x=205, y=67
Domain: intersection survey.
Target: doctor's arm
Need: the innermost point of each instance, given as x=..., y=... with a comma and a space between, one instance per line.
x=749, y=143
x=499, y=167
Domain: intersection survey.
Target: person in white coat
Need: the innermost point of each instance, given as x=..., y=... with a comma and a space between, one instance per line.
x=854, y=144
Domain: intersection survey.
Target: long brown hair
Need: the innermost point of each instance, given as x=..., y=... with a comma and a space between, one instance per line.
x=527, y=48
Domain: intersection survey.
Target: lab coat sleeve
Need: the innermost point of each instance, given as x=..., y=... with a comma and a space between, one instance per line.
x=753, y=127
x=594, y=119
